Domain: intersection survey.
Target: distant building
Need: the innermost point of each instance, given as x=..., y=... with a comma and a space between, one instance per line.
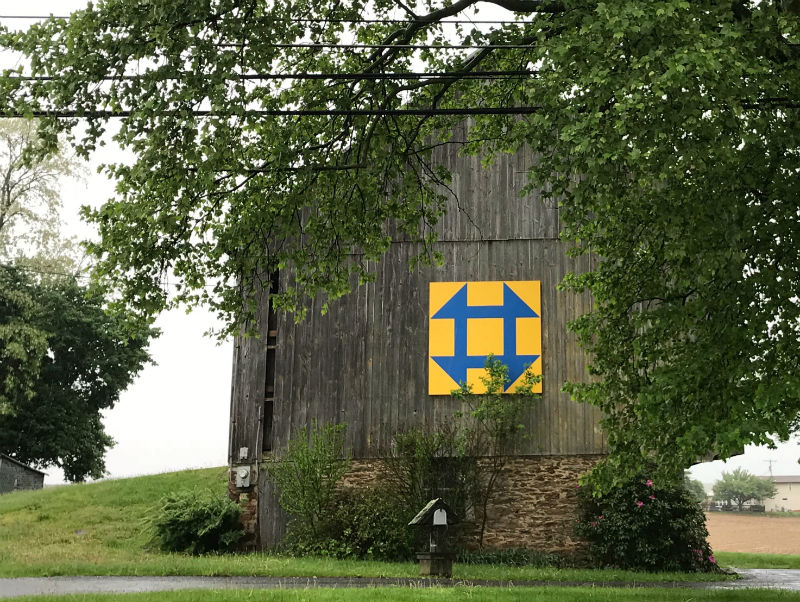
x=15, y=475
x=788, y=496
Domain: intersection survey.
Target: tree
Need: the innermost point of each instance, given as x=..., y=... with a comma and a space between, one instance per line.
x=29, y=198
x=665, y=129
x=62, y=358
x=694, y=487
x=21, y=344
x=80, y=360
x=741, y=486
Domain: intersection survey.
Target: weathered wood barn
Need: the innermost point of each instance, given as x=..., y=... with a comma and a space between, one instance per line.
x=370, y=360
x=16, y=476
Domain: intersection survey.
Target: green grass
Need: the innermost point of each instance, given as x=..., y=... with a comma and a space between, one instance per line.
x=741, y=560
x=438, y=594
x=97, y=529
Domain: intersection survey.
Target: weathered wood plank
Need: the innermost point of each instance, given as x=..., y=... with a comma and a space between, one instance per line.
x=248, y=386
x=365, y=362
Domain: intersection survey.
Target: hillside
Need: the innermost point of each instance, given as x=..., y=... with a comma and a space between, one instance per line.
x=67, y=529
x=98, y=529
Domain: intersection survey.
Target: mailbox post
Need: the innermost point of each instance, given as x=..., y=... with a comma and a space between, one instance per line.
x=435, y=517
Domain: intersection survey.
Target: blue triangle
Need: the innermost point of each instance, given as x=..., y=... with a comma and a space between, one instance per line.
x=455, y=306
x=456, y=366
x=514, y=306
x=517, y=364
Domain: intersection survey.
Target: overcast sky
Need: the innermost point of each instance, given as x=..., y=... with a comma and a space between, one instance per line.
x=176, y=413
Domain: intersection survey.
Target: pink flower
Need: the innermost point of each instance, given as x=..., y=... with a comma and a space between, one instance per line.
x=578, y=486
x=652, y=497
x=711, y=559
x=649, y=483
x=593, y=523
x=600, y=517
x=639, y=503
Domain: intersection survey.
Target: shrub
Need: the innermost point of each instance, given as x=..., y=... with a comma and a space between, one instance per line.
x=307, y=473
x=367, y=523
x=462, y=460
x=643, y=525
x=427, y=462
x=195, y=522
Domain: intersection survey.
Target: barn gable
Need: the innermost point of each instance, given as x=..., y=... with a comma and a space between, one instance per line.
x=366, y=362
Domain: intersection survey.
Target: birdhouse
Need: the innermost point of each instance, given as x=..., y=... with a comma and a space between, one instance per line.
x=435, y=518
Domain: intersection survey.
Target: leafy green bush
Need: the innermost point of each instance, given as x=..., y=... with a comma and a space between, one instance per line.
x=307, y=474
x=367, y=523
x=442, y=460
x=644, y=525
x=327, y=520
x=196, y=522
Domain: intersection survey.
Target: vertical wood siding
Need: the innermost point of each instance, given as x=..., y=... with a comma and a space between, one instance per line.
x=365, y=361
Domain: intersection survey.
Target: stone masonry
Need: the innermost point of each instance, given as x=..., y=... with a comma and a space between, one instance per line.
x=534, y=506
x=248, y=502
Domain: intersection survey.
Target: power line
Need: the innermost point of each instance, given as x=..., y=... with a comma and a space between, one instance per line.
x=424, y=112
x=76, y=275
x=345, y=46
x=320, y=45
x=320, y=20
x=315, y=76
x=41, y=272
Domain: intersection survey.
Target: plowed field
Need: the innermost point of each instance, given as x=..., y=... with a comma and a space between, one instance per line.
x=734, y=532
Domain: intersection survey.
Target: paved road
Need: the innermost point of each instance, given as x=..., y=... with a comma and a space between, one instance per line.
x=774, y=578
x=30, y=586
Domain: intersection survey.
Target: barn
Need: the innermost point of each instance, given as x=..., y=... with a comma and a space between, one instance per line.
x=15, y=476
x=386, y=356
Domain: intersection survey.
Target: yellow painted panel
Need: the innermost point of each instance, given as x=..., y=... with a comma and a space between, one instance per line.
x=442, y=337
x=529, y=336
x=484, y=336
x=439, y=383
x=484, y=293
x=529, y=291
x=441, y=292
x=474, y=376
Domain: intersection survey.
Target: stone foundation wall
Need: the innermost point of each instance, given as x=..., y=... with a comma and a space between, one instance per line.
x=248, y=502
x=534, y=505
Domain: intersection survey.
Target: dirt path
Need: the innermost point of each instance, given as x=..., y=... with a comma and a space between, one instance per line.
x=734, y=532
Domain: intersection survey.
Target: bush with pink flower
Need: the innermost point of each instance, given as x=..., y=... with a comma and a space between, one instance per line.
x=645, y=525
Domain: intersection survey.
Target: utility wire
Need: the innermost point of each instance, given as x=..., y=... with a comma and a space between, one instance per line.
x=345, y=46
x=311, y=20
x=321, y=45
x=70, y=114
x=327, y=76
x=77, y=275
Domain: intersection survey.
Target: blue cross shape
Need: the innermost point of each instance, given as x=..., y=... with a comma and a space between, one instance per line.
x=457, y=309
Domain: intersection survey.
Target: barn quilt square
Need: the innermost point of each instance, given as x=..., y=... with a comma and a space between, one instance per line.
x=470, y=320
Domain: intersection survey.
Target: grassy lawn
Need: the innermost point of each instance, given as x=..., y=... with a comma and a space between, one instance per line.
x=741, y=560
x=97, y=529
x=436, y=594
